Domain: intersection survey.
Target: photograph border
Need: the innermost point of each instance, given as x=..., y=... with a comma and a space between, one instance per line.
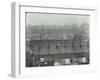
x=16, y=31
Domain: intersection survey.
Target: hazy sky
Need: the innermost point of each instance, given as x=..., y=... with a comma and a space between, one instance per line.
x=55, y=19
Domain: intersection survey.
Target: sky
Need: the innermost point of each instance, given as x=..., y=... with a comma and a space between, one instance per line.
x=55, y=19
